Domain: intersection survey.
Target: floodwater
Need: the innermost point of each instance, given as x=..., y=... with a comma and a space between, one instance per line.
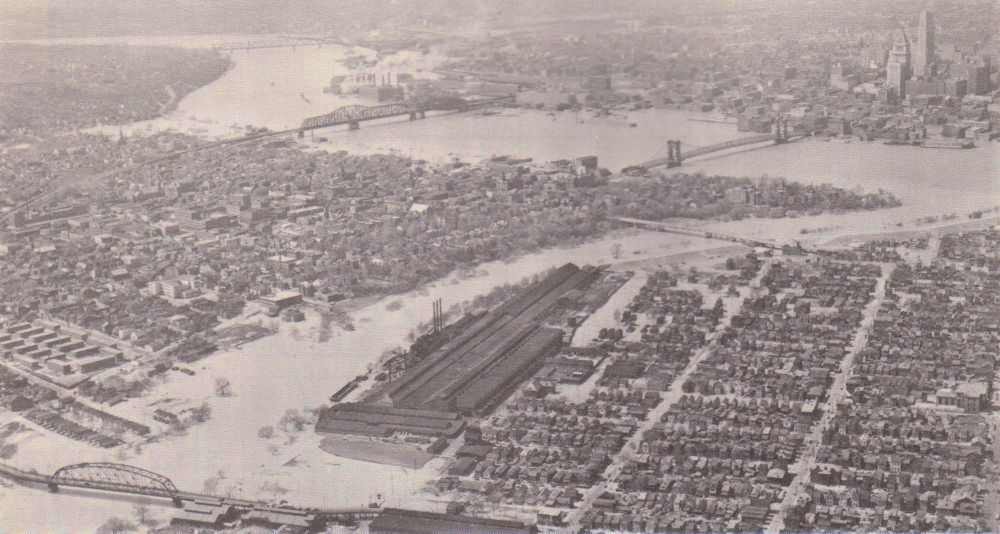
x=277, y=88
x=291, y=370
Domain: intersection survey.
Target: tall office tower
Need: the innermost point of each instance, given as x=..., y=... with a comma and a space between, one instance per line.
x=898, y=67
x=924, y=54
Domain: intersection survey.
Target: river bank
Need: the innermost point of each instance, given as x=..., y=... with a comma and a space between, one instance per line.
x=292, y=370
x=300, y=366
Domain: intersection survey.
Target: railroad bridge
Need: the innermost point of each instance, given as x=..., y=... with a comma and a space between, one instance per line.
x=675, y=157
x=121, y=478
x=354, y=115
x=114, y=477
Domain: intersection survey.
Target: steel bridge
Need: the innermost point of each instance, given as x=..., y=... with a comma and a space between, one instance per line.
x=113, y=477
x=355, y=115
x=121, y=478
x=675, y=157
x=291, y=42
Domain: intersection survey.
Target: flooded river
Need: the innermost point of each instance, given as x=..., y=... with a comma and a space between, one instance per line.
x=277, y=88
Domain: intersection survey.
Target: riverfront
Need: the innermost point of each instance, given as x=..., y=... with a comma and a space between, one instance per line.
x=231, y=291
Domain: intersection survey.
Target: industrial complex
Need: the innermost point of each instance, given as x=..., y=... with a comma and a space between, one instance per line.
x=471, y=373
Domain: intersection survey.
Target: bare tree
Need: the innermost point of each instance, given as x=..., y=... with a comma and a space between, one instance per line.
x=223, y=388
x=616, y=250
x=143, y=515
x=202, y=413
x=116, y=525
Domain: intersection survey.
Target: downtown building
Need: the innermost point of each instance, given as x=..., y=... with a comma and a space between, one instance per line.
x=923, y=53
x=897, y=70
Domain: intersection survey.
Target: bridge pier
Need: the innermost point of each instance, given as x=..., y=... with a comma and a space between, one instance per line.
x=781, y=130
x=354, y=125
x=53, y=487
x=302, y=134
x=178, y=503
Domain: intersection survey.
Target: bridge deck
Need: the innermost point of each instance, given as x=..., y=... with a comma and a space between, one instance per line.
x=357, y=114
x=702, y=150
x=667, y=227
x=30, y=478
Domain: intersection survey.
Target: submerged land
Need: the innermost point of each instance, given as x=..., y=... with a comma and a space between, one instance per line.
x=400, y=323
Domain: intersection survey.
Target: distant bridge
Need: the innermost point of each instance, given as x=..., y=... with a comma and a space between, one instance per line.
x=126, y=479
x=291, y=42
x=351, y=115
x=661, y=226
x=675, y=157
x=355, y=115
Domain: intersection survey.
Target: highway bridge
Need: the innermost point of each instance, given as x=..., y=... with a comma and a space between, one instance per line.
x=676, y=158
x=661, y=226
x=129, y=480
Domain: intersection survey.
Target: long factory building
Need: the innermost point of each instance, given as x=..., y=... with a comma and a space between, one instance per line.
x=473, y=372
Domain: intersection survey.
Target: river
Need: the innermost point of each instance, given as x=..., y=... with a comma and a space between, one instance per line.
x=277, y=88
x=292, y=369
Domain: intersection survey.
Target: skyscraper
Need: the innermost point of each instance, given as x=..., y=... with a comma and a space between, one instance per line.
x=924, y=54
x=898, y=67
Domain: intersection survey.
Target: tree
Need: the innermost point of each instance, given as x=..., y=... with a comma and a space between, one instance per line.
x=116, y=525
x=223, y=388
x=292, y=421
x=202, y=413
x=265, y=432
x=142, y=515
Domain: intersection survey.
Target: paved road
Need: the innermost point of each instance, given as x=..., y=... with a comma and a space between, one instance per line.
x=838, y=391
x=670, y=397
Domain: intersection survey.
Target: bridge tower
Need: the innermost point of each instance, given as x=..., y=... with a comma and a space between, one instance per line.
x=781, y=130
x=674, y=153
x=354, y=125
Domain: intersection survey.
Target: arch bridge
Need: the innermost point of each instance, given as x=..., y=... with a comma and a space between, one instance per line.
x=114, y=477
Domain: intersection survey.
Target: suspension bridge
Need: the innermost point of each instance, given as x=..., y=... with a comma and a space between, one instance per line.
x=675, y=157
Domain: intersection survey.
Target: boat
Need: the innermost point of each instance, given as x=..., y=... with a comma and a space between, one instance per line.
x=722, y=120
x=948, y=143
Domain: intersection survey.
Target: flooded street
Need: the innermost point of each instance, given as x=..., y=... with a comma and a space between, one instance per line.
x=294, y=369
